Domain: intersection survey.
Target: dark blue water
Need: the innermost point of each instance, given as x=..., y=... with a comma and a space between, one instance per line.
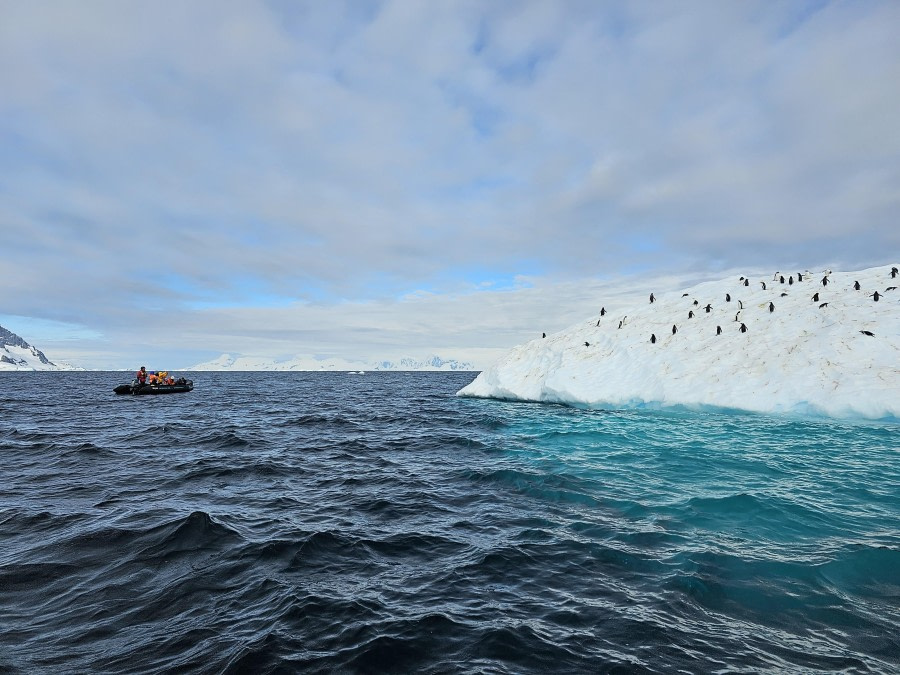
x=378, y=523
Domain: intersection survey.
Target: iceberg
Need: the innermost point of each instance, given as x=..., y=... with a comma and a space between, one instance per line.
x=828, y=345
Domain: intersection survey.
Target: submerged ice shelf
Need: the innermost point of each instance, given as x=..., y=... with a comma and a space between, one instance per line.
x=808, y=347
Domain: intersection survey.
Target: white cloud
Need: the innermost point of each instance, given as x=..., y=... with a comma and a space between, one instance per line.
x=161, y=156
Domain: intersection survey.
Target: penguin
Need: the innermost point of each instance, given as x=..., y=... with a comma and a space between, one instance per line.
x=696, y=302
x=890, y=288
x=653, y=338
x=771, y=307
x=736, y=316
x=674, y=329
x=816, y=297
x=746, y=282
x=728, y=297
x=799, y=276
x=620, y=325
x=824, y=304
x=598, y=322
x=684, y=295
x=742, y=278
x=784, y=295
x=867, y=332
x=603, y=311
x=894, y=272
x=825, y=280
x=543, y=335
x=790, y=281
x=587, y=344
x=775, y=276
x=743, y=328
x=855, y=285
x=740, y=304
x=691, y=314
x=708, y=308
x=875, y=296
x=718, y=330
x=781, y=279
x=763, y=284
x=652, y=299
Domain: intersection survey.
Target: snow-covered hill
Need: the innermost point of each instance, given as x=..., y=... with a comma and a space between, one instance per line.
x=305, y=363
x=16, y=354
x=816, y=346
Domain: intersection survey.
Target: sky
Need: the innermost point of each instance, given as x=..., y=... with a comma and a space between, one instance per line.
x=373, y=180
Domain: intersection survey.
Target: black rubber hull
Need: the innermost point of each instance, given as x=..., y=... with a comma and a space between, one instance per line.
x=154, y=389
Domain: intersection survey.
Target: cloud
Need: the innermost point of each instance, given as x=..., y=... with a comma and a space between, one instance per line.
x=164, y=159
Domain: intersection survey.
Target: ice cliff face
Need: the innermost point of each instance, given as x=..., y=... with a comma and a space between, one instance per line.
x=16, y=354
x=827, y=344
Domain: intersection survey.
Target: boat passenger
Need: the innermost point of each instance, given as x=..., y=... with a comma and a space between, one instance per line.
x=154, y=378
x=142, y=375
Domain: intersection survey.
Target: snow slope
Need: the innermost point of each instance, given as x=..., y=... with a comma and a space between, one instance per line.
x=16, y=354
x=804, y=357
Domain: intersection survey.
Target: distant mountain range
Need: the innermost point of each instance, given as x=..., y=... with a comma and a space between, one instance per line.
x=306, y=363
x=17, y=354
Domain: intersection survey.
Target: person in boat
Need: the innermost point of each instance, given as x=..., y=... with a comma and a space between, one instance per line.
x=141, y=375
x=154, y=379
x=162, y=377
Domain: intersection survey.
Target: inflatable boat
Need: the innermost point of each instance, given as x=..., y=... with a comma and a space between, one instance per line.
x=137, y=389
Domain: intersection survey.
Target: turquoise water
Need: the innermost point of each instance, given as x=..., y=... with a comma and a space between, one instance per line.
x=322, y=522
x=779, y=535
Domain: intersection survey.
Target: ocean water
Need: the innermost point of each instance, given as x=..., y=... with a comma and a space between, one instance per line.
x=328, y=522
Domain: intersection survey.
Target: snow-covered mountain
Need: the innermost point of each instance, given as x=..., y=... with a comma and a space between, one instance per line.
x=16, y=354
x=304, y=363
x=821, y=343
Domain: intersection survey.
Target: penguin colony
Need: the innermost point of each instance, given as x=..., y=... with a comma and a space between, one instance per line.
x=801, y=277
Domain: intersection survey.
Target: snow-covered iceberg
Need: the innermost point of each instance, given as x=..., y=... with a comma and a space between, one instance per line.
x=814, y=346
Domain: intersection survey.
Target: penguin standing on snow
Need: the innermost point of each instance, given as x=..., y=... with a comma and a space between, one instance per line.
x=674, y=329
x=652, y=299
x=691, y=314
x=771, y=307
x=652, y=338
x=708, y=308
x=728, y=297
x=718, y=330
x=825, y=280
x=746, y=282
x=815, y=297
x=894, y=272
x=603, y=311
x=743, y=328
x=799, y=276
x=856, y=286
x=876, y=296
x=763, y=284
x=790, y=281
